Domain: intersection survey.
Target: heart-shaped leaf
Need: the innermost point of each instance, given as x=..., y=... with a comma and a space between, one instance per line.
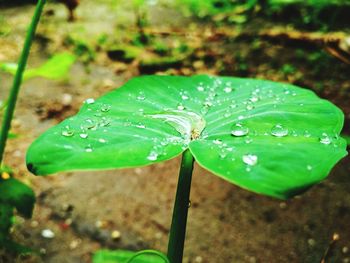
x=126, y=256
x=271, y=138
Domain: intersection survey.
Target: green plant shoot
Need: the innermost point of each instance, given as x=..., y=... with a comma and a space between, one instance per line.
x=270, y=138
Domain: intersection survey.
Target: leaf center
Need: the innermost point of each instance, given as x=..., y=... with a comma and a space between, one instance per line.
x=189, y=124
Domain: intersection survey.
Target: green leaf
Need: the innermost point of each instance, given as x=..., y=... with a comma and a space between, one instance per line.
x=13, y=194
x=271, y=138
x=106, y=256
x=17, y=248
x=125, y=256
x=6, y=214
x=55, y=68
x=18, y=195
x=6, y=169
x=12, y=135
x=347, y=138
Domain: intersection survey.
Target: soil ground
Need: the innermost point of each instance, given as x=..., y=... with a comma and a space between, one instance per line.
x=226, y=224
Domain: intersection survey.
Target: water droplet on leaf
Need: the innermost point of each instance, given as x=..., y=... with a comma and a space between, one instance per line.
x=223, y=154
x=307, y=134
x=180, y=107
x=88, y=148
x=279, y=130
x=89, y=124
x=239, y=130
x=217, y=142
x=325, y=139
x=140, y=126
x=105, y=107
x=83, y=134
x=104, y=122
x=153, y=156
x=200, y=88
x=67, y=131
x=141, y=96
x=227, y=114
x=254, y=99
x=248, y=140
x=227, y=89
x=250, y=106
x=208, y=103
x=90, y=101
x=250, y=159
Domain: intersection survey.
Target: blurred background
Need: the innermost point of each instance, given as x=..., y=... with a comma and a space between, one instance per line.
x=84, y=48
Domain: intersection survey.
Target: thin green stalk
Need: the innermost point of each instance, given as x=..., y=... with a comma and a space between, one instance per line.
x=178, y=224
x=8, y=115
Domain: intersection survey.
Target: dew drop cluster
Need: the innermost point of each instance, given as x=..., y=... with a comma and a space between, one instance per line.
x=89, y=125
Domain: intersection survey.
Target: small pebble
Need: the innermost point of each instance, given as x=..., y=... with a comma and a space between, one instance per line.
x=283, y=205
x=108, y=83
x=101, y=224
x=17, y=153
x=198, y=259
x=346, y=260
x=345, y=250
x=115, y=235
x=34, y=224
x=66, y=99
x=68, y=221
x=138, y=171
x=16, y=123
x=198, y=64
x=311, y=242
x=74, y=244
x=47, y=233
x=336, y=236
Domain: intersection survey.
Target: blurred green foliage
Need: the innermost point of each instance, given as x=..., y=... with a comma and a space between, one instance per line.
x=213, y=7
x=311, y=14
x=82, y=49
x=13, y=195
x=55, y=68
x=124, y=256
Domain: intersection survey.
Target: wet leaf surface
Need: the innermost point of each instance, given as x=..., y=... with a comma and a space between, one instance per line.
x=271, y=138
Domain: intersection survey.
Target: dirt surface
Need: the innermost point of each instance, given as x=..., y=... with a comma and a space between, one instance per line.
x=226, y=224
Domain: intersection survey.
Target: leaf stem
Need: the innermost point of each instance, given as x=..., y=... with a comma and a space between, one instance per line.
x=178, y=224
x=6, y=124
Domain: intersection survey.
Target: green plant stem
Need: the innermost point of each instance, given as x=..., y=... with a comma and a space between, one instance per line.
x=178, y=224
x=6, y=124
